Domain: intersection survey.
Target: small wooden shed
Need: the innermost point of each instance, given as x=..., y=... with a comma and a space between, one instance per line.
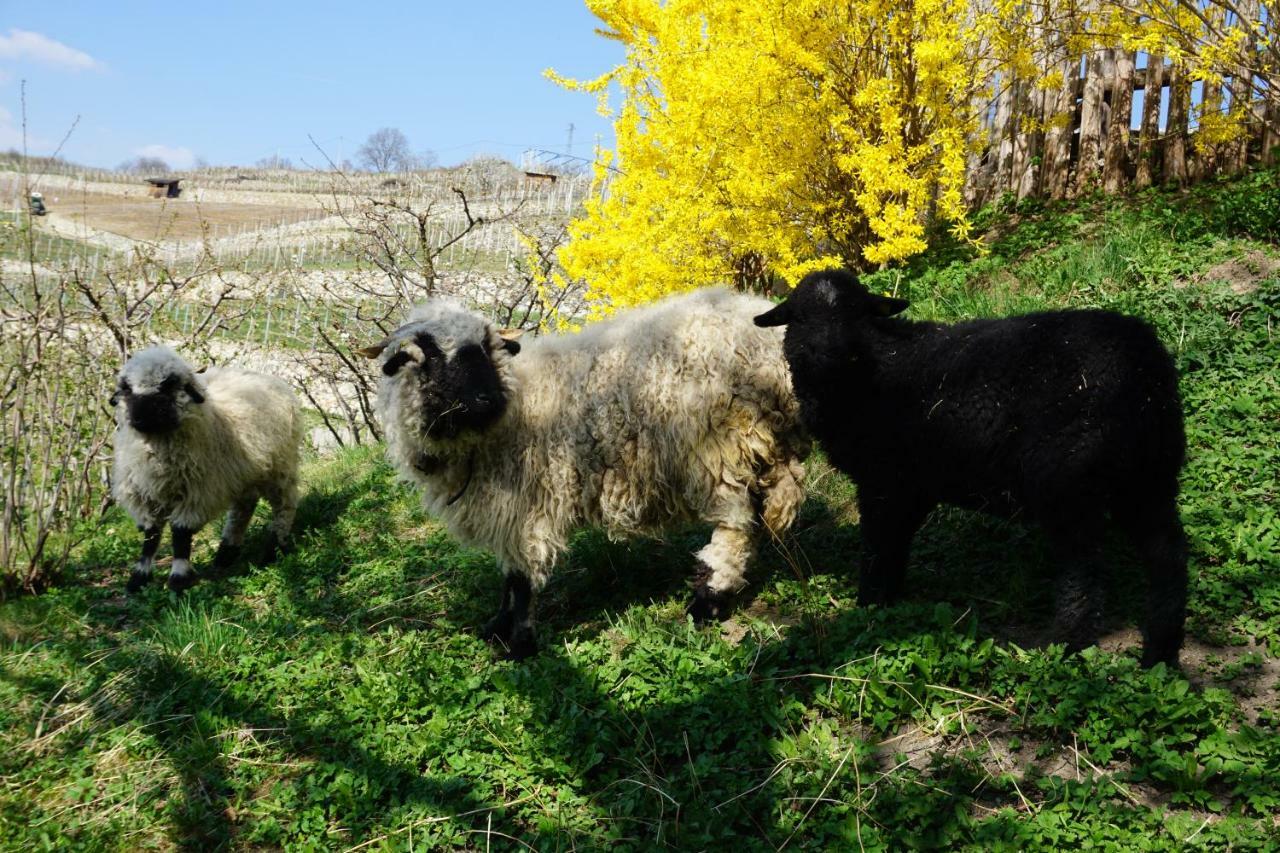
x=164, y=187
x=535, y=178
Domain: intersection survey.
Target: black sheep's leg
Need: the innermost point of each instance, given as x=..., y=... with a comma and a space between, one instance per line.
x=141, y=573
x=181, y=575
x=888, y=525
x=513, y=624
x=1078, y=594
x=1162, y=546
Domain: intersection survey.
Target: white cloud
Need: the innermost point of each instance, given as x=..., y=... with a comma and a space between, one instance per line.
x=176, y=156
x=25, y=45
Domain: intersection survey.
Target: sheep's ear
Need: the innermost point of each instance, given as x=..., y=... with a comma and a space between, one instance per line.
x=887, y=306
x=777, y=316
x=194, y=393
x=375, y=350
x=511, y=340
x=115, y=398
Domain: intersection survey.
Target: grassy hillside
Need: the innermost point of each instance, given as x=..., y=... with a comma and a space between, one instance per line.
x=340, y=698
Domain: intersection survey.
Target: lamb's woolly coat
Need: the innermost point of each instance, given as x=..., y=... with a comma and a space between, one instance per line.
x=240, y=444
x=1066, y=417
x=677, y=411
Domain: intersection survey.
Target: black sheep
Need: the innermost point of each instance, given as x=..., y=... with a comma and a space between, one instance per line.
x=1065, y=417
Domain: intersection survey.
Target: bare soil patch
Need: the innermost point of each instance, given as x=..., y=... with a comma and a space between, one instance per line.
x=1244, y=272
x=142, y=218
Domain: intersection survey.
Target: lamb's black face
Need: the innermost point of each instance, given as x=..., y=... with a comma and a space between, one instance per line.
x=824, y=312
x=155, y=411
x=457, y=392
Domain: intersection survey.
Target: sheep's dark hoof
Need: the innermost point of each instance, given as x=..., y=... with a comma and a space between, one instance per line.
x=523, y=644
x=707, y=605
x=276, y=548
x=137, y=582
x=1152, y=656
x=498, y=628
x=226, y=556
x=182, y=581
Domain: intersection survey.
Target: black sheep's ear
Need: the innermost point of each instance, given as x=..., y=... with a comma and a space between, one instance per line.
x=394, y=363
x=887, y=306
x=777, y=316
x=194, y=393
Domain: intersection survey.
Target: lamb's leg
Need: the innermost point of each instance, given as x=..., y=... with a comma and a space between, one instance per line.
x=181, y=576
x=233, y=531
x=1162, y=546
x=1078, y=594
x=284, y=505
x=141, y=573
x=888, y=524
x=513, y=624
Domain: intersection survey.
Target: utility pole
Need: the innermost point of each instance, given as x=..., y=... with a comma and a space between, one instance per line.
x=568, y=148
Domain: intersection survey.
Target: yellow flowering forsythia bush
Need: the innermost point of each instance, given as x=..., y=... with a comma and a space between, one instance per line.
x=766, y=139
x=776, y=136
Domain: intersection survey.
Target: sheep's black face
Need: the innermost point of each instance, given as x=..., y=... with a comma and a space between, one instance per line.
x=154, y=411
x=457, y=392
x=823, y=316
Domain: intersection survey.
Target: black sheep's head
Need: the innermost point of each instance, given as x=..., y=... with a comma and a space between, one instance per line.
x=826, y=312
x=156, y=391
x=451, y=368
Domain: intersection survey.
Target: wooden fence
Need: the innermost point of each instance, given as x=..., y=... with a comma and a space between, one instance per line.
x=1118, y=120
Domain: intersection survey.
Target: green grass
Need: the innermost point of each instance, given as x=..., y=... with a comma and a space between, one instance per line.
x=340, y=696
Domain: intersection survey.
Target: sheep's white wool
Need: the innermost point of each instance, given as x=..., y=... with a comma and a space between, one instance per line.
x=240, y=444
x=678, y=411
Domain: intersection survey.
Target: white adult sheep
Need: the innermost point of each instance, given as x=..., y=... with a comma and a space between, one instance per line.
x=675, y=412
x=189, y=447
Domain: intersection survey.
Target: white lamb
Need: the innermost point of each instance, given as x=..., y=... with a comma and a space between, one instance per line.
x=675, y=412
x=189, y=447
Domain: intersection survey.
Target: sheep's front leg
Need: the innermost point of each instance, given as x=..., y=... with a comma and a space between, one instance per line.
x=888, y=524
x=513, y=624
x=141, y=573
x=181, y=576
x=722, y=568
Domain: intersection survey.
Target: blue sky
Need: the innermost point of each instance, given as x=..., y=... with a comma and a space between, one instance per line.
x=233, y=82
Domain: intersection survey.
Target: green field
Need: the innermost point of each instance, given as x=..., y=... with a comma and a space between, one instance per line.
x=339, y=697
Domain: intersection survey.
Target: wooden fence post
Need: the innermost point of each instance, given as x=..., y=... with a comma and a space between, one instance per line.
x=1091, y=113
x=1152, y=93
x=1060, y=107
x=1175, y=145
x=1116, y=163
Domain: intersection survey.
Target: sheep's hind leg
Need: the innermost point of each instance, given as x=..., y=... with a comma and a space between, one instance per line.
x=284, y=505
x=513, y=624
x=233, y=532
x=1162, y=546
x=1078, y=594
x=141, y=573
x=182, y=576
